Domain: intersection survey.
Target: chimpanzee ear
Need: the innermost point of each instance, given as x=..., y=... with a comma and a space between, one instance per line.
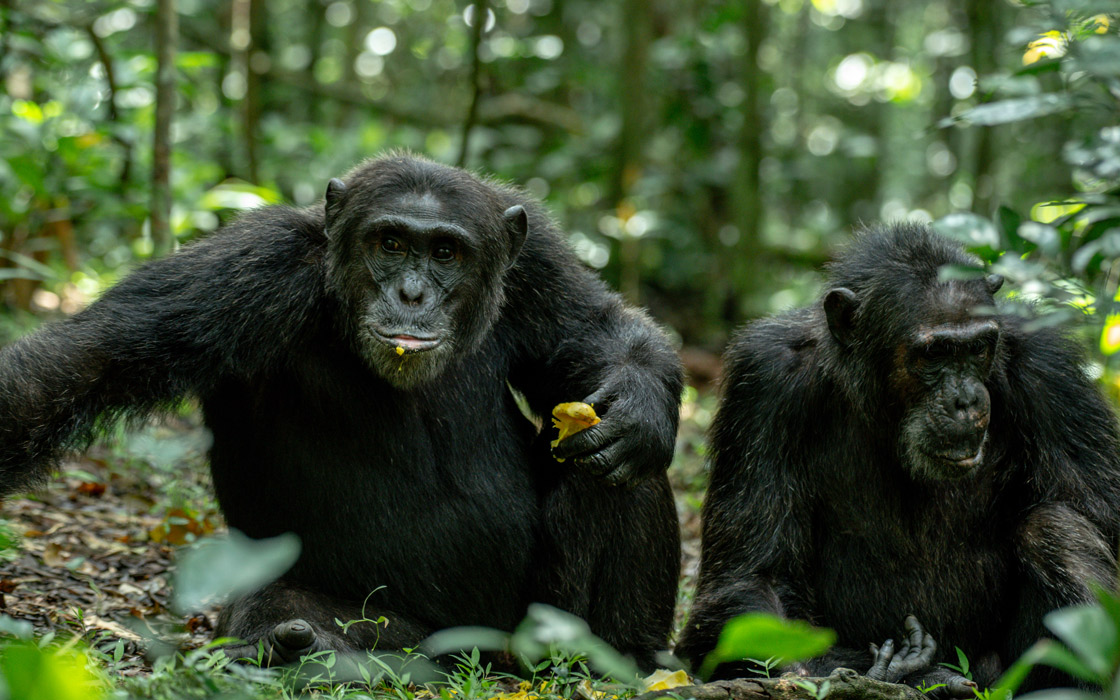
x=993, y=282
x=335, y=189
x=839, y=308
x=517, y=224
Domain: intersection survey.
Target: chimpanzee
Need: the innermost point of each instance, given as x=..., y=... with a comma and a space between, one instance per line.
x=902, y=451
x=354, y=361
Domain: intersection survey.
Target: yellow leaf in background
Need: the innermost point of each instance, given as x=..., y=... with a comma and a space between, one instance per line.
x=1100, y=24
x=571, y=418
x=663, y=679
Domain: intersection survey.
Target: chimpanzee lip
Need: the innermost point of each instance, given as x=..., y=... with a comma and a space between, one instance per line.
x=963, y=462
x=411, y=342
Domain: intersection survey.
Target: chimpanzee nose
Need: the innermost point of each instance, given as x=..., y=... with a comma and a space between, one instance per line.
x=412, y=291
x=970, y=402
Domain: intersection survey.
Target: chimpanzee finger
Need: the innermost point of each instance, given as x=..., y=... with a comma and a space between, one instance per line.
x=586, y=442
x=914, y=632
x=605, y=461
x=961, y=687
x=883, y=655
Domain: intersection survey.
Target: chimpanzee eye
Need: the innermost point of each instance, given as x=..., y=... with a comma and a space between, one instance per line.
x=443, y=252
x=391, y=245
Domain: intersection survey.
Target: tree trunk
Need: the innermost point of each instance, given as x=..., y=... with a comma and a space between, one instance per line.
x=632, y=136
x=167, y=30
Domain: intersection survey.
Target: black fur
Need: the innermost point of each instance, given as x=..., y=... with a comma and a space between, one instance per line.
x=415, y=477
x=818, y=508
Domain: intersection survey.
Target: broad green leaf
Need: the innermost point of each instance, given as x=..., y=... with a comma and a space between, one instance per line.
x=1045, y=237
x=31, y=673
x=1090, y=633
x=762, y=635
x=223, y=567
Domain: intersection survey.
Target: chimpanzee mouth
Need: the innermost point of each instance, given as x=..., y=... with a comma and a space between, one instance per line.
x=963, y=463
x=406, y=342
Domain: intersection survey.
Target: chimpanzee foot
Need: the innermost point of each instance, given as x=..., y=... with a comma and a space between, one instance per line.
x=913, y=664
x=286, y=643
x=915, y=654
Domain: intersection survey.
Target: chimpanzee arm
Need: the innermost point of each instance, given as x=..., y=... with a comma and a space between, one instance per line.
x=759, y=504
x=227, y=306
x=577, y=341
x=1068, y=442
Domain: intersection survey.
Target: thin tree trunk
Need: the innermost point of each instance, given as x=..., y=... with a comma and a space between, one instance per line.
x=746, y=189
x=167, y=30
x=481, y=9
x=634, y=133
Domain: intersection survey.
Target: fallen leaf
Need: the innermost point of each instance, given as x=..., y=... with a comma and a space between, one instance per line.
x=664, y=679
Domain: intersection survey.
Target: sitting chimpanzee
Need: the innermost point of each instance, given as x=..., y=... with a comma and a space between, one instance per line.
x=902, y=451
x=354, y=362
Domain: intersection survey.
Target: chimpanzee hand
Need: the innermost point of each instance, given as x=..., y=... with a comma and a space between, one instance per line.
x=633, y=439
x=913, y=663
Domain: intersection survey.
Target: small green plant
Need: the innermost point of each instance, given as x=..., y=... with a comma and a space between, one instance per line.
x=765, y=667
x=961, y=666
x=820, y=692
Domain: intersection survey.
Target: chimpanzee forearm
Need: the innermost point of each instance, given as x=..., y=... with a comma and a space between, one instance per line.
x=163, y=332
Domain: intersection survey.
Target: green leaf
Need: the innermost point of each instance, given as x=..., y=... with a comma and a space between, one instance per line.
x=1045, y=237
x=977, y=233
x=1013, y=110
x=762, y=635
x=1090, y=632
x=221, y=567
x=546, y=628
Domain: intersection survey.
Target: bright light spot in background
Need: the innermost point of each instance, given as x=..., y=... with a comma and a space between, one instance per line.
x=893, y=210
x=594, y=254
x=538, y=187
x=368, y=65
x=852, y=71
x=468, y=17
x=233, y=86
x=549, y=47
x=960, y=195
x=823, y=138
x=947, y=42
x=899, y=83
x=295, y=57
x=588, y=33
x=518, y=7
x=1051, y=44
x=116, y=21
x=844, y=8
x=940, y=160
x=339, y=14
x=381, y=41
x=962, y=84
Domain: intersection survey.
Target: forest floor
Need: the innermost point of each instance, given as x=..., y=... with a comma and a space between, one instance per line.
x=95, y=548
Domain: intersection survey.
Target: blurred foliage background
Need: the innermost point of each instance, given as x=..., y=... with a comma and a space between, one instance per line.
x=706, y=156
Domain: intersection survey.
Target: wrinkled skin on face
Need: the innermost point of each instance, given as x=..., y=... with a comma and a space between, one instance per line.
x=938, y=368
x=944, y=368
x=420, y=271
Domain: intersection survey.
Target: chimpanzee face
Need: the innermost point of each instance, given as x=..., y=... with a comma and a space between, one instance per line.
x=419, y=269
x=937, y=350
x=941, y=373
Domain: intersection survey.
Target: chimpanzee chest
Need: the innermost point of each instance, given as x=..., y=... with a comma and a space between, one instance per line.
x=953, y=575
x=391, y=492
